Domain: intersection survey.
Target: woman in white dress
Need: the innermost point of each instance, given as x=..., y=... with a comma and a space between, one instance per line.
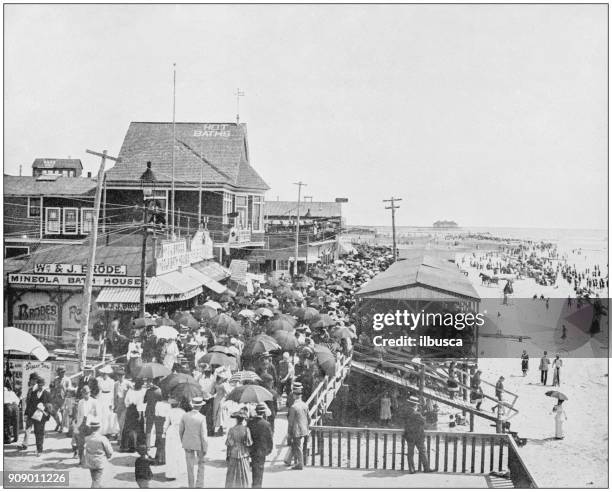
x=174, y=446
x=560, y=416
x=171, y=354
x=109, y=424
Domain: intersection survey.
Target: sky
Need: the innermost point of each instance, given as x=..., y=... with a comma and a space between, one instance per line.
x=489, y=115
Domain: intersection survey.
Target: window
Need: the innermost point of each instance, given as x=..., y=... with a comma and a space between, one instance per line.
x=227, y=207
x=34, y=207
x=282, y=264
x=257, y=213
x=242, y=221
x=87, y=219
x=71, y=220
x=13, y=251
x=52, y=225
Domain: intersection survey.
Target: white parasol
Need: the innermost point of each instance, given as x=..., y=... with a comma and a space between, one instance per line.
x=21, y=341
x=165, y=332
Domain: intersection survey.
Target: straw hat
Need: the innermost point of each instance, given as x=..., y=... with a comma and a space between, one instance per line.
x=106, y=370
x=94, y=425
x=197, y=401
x=297, y=388
x=261, y=409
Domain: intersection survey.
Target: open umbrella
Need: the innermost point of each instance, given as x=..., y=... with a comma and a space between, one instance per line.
x=281, y=323
x=306, y=313
x=224, y=323
x=152, y=370
x=213, y=304
x=322, y=321
x=250, y=393
x=259, y=344
x=242, y=376
x=286, y=340
x=221, y=349
x=219, y=359
x=246, y=313
x=557, y=394
x=301, y=284
x=243, y=301
x=174, y=379
x=166, y=332
x=188, y=391
x=264, y=312
x=143, y=322
x=164, y=322
x=325, y=359
x=204, y=313
x=21, y=341
x=343, y=332
x=186, y=319
x=336, y=288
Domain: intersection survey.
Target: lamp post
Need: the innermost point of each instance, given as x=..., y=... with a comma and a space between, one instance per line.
x=148, y=183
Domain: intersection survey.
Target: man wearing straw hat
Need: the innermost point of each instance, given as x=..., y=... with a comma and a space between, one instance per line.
x=298, y=421
x=261, y=435
x=414, y=435
x=194, y=437
x=98, y=451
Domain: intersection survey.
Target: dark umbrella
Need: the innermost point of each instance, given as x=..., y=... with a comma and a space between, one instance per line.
x=243, y=301
x=188, y=391
x=279, y=323
x=286, y=340
x=557, y=394
x=164, y=322
x=186, y=319
x=224, y=323
x=221, y=349
x=142, y=322
x=204, y=313
x=152, y=370
x=219, y=359
x=325, y=359
x=173, y=380
x=322, y=321
x=306, y=314
x=250, y=393
x=343, y=332
x=259, y=344
x=336, y=288
x=284, y=293
x=318, y=275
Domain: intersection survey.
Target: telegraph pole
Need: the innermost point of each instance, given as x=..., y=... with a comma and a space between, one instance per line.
x=299, y=184
x=392, y=208
x=173, y=141
x=84, y=331
x=238, y=95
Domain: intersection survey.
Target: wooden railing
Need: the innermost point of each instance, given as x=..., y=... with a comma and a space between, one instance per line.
x=43, y=330
x=322, y=396
x=447, y=452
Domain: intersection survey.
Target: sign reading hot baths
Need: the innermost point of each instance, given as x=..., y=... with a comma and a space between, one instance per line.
x=410, y=321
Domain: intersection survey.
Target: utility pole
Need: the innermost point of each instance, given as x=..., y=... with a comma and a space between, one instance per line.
x=201, y=178
x=392, y=208
x=238, y=95
x=173, y=140
x=297, y=228
x=84, y=331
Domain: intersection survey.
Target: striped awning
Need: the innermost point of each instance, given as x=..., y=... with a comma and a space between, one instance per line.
x=123, y=295
x=204, y=280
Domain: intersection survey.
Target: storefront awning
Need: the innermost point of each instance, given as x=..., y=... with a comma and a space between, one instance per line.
x=212, y=269
x=204, y=280
x=125, y=295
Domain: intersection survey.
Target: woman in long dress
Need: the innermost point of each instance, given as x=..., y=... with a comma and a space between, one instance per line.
x=133, y=429
x=560, y=416
x=171, y=354
x=385, y=409
x=174, y=446
x=238, y=442
x=109, y=424
x=220, y=411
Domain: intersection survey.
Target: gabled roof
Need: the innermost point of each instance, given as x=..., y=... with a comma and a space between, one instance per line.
x=31, y=186
x=53, y=163
x=435, y=276
x=216, y=151
x=317, y=209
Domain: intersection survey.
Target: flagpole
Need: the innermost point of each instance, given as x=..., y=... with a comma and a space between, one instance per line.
x=173, y=142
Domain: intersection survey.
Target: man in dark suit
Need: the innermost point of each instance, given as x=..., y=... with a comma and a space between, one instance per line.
x=261, y=434
x=88, y=379
x=37, y=412
x=414, y=435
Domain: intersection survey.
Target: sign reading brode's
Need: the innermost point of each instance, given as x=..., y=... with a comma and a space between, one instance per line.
x=71, y=280
x=69, y=269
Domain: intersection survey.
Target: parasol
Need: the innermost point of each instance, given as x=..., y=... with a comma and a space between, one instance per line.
x=152, y=370
x=213, y=304
x=221, y=349
x=259, y=344
x=164, y=322
x=557, y=394
x=264, y=312
x=226, y=324
x=242, y=376
x=219, y=359
x=281, y=322
x=306, y=313
x=188, y=391
x=173, y=380
x=322, y=321
x=286, y=340
x=246, y=313
x=250, y=393
x=204, y=313
x=143, y=322
x=21, y=341
x=343, y=332
x=166, y=332
x=185, y=318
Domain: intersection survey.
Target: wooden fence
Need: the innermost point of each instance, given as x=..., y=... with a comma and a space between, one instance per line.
x=447, y=452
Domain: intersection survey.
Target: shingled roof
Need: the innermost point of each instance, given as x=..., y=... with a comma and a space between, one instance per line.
x=317, y=209
x=53, y=163
x=422, y=277
x=32, y=186
x=222, y=148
